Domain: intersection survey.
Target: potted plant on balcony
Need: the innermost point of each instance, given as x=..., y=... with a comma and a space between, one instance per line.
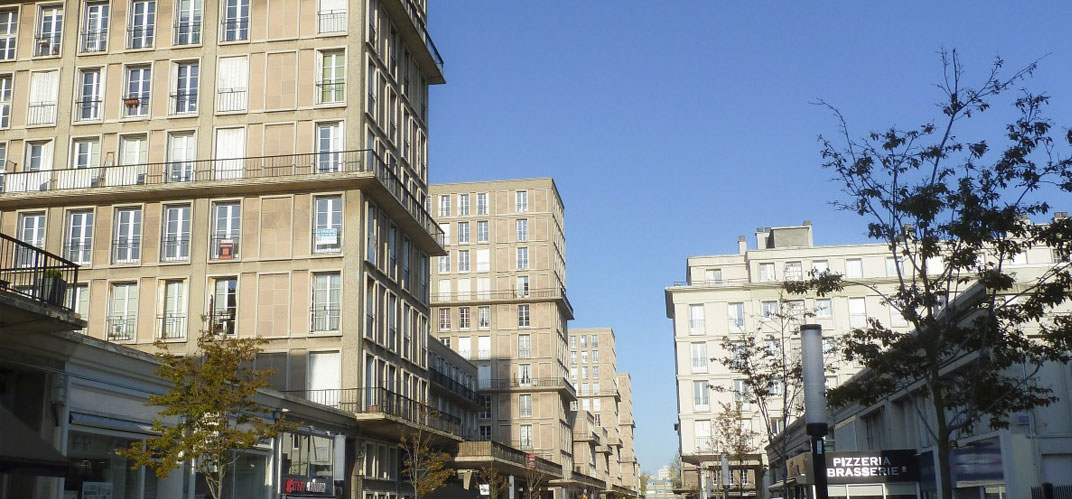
x=131, y=101
x=52, y=287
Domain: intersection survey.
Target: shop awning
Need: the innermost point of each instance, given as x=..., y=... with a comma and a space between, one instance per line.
x=23, y=451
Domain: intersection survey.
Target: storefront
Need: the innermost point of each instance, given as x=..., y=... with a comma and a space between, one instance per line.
x=311, y=463
x=888, y=474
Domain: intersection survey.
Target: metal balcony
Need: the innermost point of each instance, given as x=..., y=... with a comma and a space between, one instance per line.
x=35, y=273
x=381, y=401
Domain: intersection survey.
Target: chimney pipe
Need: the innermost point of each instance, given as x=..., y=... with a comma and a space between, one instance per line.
x=742, y=245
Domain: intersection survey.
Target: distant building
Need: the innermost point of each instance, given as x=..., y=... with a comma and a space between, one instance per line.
x=661, y=488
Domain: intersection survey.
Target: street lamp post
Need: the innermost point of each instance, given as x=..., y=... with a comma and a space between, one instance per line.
x=815, y=419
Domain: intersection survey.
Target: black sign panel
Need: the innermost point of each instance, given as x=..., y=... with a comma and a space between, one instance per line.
x=296, y=485
x=872, y=466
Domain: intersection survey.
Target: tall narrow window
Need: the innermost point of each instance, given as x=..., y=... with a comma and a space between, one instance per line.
x=465, y=347
x=854, y=267
x=522, y=286
x=522, y=230
x=86, y=153
x=126, y=245
x=766, y=272
x=224, y=304
x=235, y=20
x=230, y=149
x=444, y=205
x=522, y=258
x=44, y=93
x=78, y=300
x=123, y=312
x=482, y=203
x=463, y=205
x=463, y=261
x=521, y=201
x=173, y=316
x=371, y=231
x=79, y=243
x=735, y=311
x=696, y=319
x=95, y=27
x=328, y=147
x=5, y=100
x=483, y=317
x=32, y=229
x=226, y=230
x=463, y=232
x=326, y=302
x=188, y=22
x=142, y=24
x=699, y=357
x=88, y=107
x=526, y=437
x=9, y=32
x=483, y=260
x=327, y=220
x=331, y=16
x=525, y=405
x=184, y=99
x=523, y=317
x=181, y=155
x=482, y=231
x=49, y=36
x=175, y=241
x=331, y=84
x=138, y=91
x=857, y=312
x=524, y=346
x=233, y=84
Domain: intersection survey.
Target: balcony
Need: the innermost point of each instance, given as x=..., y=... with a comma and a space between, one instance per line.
x=415, y=34
x=330, y=92
x=126, y=251
x=79, y=252
x=527, y=384
x=222, y=321
x=188, y=33
x=121, y=327
x=504, y=296
x=174, y=249
x=136, y=105
x=35, y=273
x=184, y=102
x=95, y=40
x=380, y=403
x=325, y=318
x=231, y=100
x=255, y=174
x=442, y=379
x=47, y=44
x=41, y=113
x=172, y=326
x=488, y=452
x=140, y=37
x=87, y=109
x=331, y=21
x=224, y=247
x=234, y=29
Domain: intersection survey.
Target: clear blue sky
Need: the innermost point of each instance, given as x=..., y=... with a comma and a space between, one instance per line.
x=673, y=127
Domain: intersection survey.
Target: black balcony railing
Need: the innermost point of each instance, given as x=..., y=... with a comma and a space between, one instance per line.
x=222, y=321
x=324, y=318
x=184, y=102
x=223, y=247
x=381, y=400
x=172, y=326
x=447, y=382
x=140, y=37
x=187, y=32
x=126, y=250
x=121, y=327
x=331, y=21
x=213, y=170
x=511, y=383
x=231, y=99
x=174, y=248
x=41, y=113
x=79, y=252
x=47, y=44
x=94, y=40
x=234, y=29
x=485, y=447
x=87, y=109
x=35, y=273
x=331, y=91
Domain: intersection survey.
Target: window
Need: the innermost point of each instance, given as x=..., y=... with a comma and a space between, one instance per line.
x=329, y=140
x=86, y=154
x=595, y=354
x=736, y=316
x=702, y=430
x=138, y=91
x=182, y=152
x=573, y=373
x=126, y=246
x=331, y=83
x=463, y=232
x=482, y=231
x=371, y=230
x=584, y=341
x=857, y=312
x=766, y=272
x=740, y=391
x=5, y=100
x=444, y=205
x=49, y=36
x=483, y=347
x=893, y=266
x=235, y=20
x=524, y=373
x=696, y=319
x=526, y=437
x=521, y=201
x=123, y=312
x=188, y=22
x=854, y=267
x=463, y=205
x=822, y=308
x=525, y=405
x=79, y=243
x=595, y=372
x=699, y=357
x=226, y=230
x=819, y=267
x=327, y=289
x=9, y=32
x=88, y=105
x=224, y=304
x=232, y=84
x=524, y=346
x=523, y=315
x=142, y=24
x=445, y=227
x=584, y=357
x=44, y=93
x=522, y=258
x=482, y=203
x=522, y=288
x=78, y=300
x=327, y=224
x=184, y=99
x=463, y=318
x=483, y=317
x=94, y=27
x=793, y=271
x=444, y=263
x=463, y=261
x=795, y=310
x=522, y=229
x=444, y=319
x=896, y=317
x=331, y=16
x=769, y=309
x=172, y=320
x=595, y=344
x=713, y=276
x=32, y=229
x=584, y=373
x=175, y=243
x=465, y=347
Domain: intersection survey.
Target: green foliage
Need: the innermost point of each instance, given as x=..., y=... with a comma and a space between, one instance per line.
x=211, y=398
x=955, y=212
x=425, y=465
x=732, y=437
x=498, y=482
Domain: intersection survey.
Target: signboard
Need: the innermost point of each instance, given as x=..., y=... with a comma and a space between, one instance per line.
x=327, y=237
x=977, y=463
x=530, y=461
x=305, y=486
x=485, y=489
x=226, y=249
x=872, y=466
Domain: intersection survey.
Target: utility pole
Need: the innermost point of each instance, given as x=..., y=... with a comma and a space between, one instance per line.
x=815, y=419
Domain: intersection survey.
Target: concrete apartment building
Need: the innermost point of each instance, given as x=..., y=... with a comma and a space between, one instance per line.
x=738, y=294
x=263, y=164
x=626, y=430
